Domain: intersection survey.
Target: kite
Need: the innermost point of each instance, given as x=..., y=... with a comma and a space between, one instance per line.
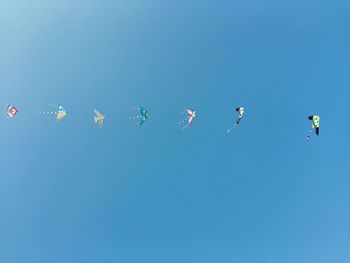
x=191, y=115
x=11, y=111
x=99, y=118
x=315, y=125
x=142, y=115
x=60, y=113
x=240, y=111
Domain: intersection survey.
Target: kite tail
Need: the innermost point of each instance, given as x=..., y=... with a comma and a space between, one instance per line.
x=235, y=125
x=48, y=112
x=135, y=117
x=188, y=125
x=231, y=128
x=134, y=107
x=183, y=121
x=308, y=135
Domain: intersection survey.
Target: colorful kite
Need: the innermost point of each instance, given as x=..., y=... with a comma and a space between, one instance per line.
x=11, y=111
x=191, y=115
x=59, y=114
x=240, y=111
x=142, y=115
x=99, y=118
x=315, y=125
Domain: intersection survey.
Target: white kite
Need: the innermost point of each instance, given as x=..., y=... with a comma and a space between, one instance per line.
x=99, y=118
x=240, y=111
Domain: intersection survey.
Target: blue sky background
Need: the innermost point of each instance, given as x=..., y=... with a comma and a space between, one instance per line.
x=70, y=192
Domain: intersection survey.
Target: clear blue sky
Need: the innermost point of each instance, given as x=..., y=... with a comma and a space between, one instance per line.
x=71, y=192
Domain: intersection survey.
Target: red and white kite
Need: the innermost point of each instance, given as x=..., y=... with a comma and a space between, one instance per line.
x=11, y=111
x=191, y=115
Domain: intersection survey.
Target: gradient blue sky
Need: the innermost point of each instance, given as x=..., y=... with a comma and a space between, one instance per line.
x=70, y=192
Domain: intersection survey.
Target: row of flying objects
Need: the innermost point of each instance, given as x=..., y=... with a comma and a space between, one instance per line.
x=142, y=115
